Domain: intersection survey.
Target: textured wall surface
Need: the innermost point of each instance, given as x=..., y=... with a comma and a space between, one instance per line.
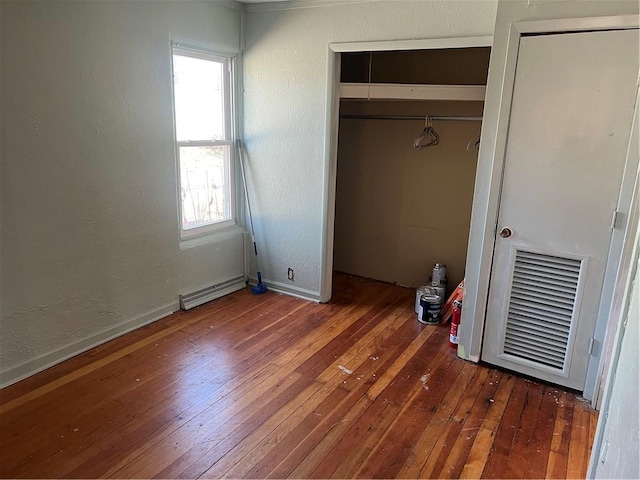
x=285, y=79
x=89, y=206
x=620, y=452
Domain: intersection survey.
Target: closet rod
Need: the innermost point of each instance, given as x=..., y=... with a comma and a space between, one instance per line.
x=414, y=117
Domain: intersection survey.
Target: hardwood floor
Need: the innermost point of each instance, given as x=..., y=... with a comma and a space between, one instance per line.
x=272, y=386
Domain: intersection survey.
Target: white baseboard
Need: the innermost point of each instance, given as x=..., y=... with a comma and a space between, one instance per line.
x=31, y=367
x=289, y=290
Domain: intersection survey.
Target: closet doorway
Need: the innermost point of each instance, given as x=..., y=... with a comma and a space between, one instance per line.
x=400, y=209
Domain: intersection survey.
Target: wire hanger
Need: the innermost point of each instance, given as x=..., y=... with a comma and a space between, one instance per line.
x=429, y=134
x=471, y=144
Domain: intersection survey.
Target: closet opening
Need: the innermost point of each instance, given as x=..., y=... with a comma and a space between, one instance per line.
x=407, y=150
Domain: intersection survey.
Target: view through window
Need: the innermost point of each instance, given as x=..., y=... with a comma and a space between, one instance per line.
x=203, y=122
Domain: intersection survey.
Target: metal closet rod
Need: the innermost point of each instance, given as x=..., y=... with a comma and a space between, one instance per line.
x=414, y=117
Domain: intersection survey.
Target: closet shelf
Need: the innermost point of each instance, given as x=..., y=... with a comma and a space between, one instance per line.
x=399, y=91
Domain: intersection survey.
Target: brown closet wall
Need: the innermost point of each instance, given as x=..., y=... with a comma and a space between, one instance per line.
x=399, y=210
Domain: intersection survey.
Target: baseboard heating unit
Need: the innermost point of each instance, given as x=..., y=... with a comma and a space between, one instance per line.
x=206, y=294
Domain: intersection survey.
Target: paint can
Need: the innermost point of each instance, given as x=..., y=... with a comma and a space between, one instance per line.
x=430, y=306
x=441, y=291
x=439, y=274
x=443, y=281
x=421, y=291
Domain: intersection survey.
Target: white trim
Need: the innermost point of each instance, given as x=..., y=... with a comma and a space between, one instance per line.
x=418, y=44
x=332, y=126
x=622, y=239
x=609, y=313
x=290, y=290
x=484, y=213
x=205, y=143
x=206, y=230
x=213, y=48
x=396, y=91
x=30, y=367
x=491, y=163
x=230, y=126
x=627, y=274
x=613, y=22
x=200, y=53
x=207, y=238
x=620, y=312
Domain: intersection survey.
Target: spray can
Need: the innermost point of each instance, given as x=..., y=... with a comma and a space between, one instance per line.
x=439, y=274
x=455, y=323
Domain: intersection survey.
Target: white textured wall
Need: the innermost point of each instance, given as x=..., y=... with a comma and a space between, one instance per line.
x=89, y=206
x=619, y=455
x=285, y=77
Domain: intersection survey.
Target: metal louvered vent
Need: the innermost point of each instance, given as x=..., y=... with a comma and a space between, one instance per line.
x=543, y=294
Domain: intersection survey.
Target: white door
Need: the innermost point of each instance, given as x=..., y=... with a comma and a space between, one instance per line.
x=569, y=128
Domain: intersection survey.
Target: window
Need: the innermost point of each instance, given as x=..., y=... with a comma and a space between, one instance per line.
x=202, y=95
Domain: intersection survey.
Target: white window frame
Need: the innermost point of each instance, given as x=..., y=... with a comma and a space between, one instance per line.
x=228, y=62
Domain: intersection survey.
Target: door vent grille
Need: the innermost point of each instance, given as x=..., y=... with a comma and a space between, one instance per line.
x=543, y=294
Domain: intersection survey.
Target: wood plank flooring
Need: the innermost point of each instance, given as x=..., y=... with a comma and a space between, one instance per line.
x=274, y=387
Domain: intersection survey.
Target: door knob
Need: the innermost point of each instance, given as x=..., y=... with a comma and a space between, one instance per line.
x=505, y=232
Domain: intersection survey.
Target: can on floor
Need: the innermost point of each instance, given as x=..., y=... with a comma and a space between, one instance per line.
x=441, y=291
x=421, y=291
x=439, y=274
x=430, y=306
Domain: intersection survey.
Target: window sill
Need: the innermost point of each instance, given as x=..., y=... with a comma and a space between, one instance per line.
x=211, y=237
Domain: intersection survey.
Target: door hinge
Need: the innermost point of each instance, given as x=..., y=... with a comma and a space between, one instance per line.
x=614, y=220
x=592, y=342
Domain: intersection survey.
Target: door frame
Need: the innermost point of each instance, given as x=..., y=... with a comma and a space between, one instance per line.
x=333, y=124
x=620, y=308
x=486, y=200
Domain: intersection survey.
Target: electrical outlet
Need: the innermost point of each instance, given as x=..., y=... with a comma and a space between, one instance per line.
x=290, y=273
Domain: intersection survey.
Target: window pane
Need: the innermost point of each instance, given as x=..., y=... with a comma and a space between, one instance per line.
x=204, y=185
x=199, y=94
